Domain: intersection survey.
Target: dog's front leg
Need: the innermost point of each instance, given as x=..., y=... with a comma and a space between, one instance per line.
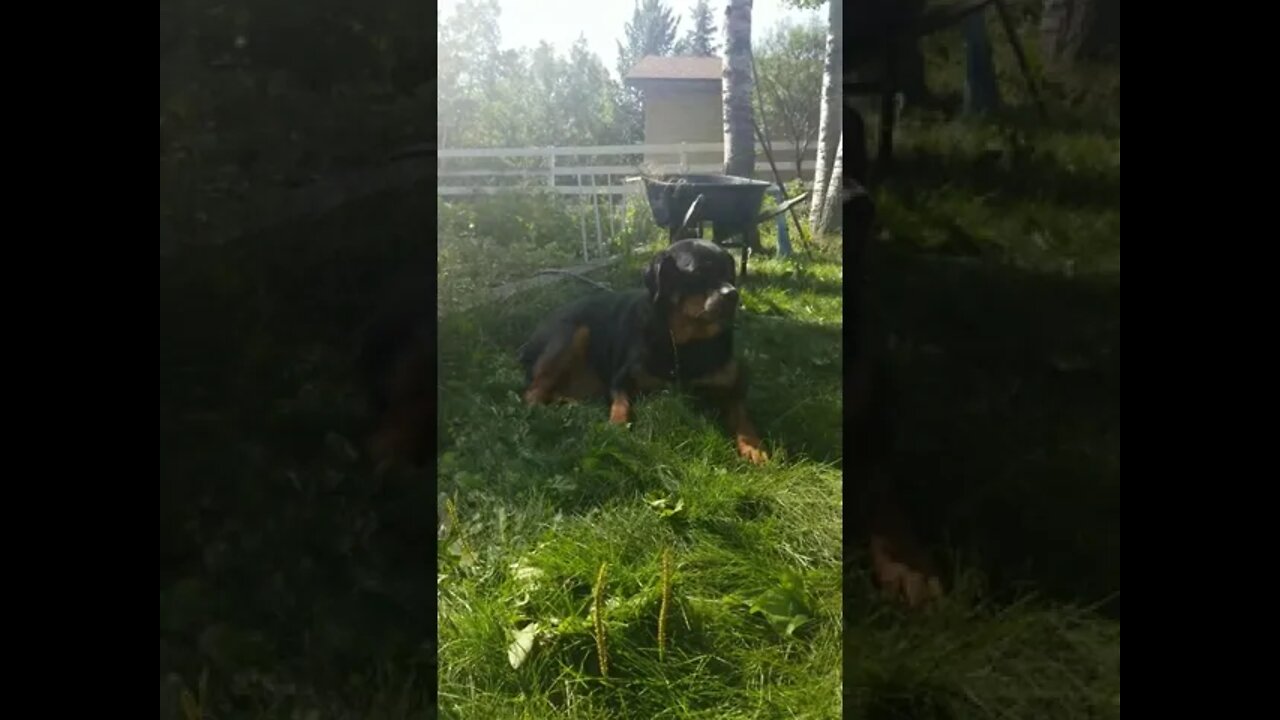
x=728, y=390
x=744, y=431
x=621, y=389
x=620, y=407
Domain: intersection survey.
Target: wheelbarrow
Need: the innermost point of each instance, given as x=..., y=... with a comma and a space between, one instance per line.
x=682, y=203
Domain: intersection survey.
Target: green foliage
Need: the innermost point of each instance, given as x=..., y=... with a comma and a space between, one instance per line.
x=651, y=31
x=700, y=40
x=550, y=495
x=789, y=63
x=287, y=567
x=516, y=98
x=1010, y=348
x=291, y=582
x=638, y=228
x=1017, y=188
x=258, y=98
x=804, y=4
x=489, y=240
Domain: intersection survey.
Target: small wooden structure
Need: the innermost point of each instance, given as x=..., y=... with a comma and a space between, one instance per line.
x=681, y=103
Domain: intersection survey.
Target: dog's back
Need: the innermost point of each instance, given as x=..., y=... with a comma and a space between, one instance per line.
x=868, y=387
x=899, y=562
x=609, y=316
x=868, y=374
x=397, y=363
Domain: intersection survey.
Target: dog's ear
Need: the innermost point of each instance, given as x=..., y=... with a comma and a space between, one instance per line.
x=657, y=277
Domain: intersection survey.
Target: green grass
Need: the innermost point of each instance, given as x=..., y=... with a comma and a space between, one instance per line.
x=292, y=577
x=545, y=496
x=996, y=286
x=290, y=574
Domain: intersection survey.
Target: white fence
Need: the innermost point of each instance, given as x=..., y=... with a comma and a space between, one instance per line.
x=555, y=169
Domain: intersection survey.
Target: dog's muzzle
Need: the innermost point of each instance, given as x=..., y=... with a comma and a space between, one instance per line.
x=723, y=300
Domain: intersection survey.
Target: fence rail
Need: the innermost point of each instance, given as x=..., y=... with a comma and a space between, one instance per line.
x=601, y=188
x=553, y=173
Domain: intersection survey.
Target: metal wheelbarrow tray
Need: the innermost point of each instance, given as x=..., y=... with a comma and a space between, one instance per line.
x=729, y=203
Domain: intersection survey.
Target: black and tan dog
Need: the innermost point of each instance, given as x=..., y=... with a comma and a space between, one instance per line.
x=899, y=562
x=677, y=330
x=398, y=362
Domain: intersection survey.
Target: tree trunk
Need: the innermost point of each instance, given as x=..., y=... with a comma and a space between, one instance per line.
x=1064, y=29
x=829, y=121
x=739, y=118
x=831, y=201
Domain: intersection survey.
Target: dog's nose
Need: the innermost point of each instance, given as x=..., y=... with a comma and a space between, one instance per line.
x=728, y=296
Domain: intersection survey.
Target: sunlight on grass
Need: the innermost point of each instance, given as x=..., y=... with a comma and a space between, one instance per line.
x=292, y=578
x=755, y=619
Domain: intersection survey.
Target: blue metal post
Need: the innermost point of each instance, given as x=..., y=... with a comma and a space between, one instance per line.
x=981, y=93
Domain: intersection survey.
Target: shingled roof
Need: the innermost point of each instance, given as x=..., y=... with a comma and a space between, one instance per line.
x=653, y=67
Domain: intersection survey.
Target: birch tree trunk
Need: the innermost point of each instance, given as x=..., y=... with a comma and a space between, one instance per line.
x=831, y=203
x=829, y=124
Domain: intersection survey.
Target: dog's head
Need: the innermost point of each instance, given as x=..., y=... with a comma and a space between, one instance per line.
x=692, y=284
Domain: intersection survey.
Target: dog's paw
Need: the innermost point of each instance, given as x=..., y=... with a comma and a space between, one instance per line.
x=751, y=451
x=904, y=572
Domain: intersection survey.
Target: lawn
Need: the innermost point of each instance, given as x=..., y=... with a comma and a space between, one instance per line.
x=996, y=286
x=547, y=496
x=294, y=580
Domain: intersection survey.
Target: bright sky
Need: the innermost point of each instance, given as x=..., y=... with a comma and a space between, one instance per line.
x=524, y=23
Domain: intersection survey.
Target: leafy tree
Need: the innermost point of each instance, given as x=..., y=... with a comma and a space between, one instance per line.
x=258, y=97
x=701, y=38
x=494, y=97
x=789, y=66
x=651, y=31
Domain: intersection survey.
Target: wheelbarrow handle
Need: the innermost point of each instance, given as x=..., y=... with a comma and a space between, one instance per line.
x=782, y=208
x=693, y=208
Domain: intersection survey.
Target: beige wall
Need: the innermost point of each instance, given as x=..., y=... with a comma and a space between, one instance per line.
x=683, y=112
x=691, y=112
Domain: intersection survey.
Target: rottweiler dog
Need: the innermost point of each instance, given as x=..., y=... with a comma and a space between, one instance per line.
x=677, y=330
x=899, y=562
x=398, y=364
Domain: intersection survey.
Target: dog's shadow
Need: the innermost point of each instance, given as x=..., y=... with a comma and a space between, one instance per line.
x=795, y=394
x=1008, y=419
x=1006, y=412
